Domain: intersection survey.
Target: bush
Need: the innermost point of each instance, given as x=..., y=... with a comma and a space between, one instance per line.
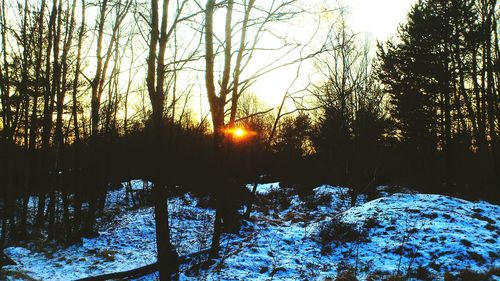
x=106, y=254
x=279, y=197
x=421, y=273
x=371, y=222
x=395, y=278
x=347, y=275
x=468, y=275
x=471, y=276
x=338, y=231
x=311, y=202
x=345, y=272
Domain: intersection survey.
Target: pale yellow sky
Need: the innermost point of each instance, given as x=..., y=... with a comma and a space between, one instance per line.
x=377, y=19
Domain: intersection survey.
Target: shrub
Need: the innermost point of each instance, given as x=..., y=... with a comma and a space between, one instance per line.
x=279, y=197
x=370, y=223
x=106, y=254
x=15, y=275
x=395, y=278
x=422, y=273
x=375, y=276
x=346, y=275
x=337, y=230
x=295, y=217
x=448, y=276
x=346, y=272
x=309, y=202
x=469, y=275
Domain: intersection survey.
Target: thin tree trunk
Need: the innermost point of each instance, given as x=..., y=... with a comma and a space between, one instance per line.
x=23, y=231
x=6, y=110
x=248, y=211
x=51, y=210
x=237, y=72
x=490, y=98
x=167, y=257
x=481, y=128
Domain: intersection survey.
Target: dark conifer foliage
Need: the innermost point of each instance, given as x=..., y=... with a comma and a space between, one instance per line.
x=443, y=92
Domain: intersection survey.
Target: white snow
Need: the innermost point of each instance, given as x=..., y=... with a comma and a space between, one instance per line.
x=264, y=188
x=432, y=229
x=281, y=242
x=126, y=242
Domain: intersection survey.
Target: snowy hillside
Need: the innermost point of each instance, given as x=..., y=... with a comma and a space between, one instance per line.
x=317, y=237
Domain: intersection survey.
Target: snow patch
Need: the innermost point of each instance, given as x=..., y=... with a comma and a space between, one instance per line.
x=264, y=188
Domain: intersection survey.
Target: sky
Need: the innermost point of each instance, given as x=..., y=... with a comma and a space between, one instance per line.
x=377, y=19
x=380, y=18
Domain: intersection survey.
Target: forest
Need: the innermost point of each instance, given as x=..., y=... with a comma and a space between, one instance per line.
x=132, y=119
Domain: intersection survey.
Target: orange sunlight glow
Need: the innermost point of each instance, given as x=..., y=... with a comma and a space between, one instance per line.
x=238, y=133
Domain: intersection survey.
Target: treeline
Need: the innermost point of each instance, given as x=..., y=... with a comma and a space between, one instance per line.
x=424, y=113
x=50, y=147
x=443, y=76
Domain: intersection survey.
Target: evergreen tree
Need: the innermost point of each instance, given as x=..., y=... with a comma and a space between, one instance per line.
x=431, y=74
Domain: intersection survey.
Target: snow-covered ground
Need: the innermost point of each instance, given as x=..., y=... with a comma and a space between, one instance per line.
x=126, y=241
x=283, y=240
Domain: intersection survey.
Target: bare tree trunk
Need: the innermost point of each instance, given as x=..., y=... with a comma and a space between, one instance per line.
x=34, y=117
x=167, y=256
x=467, y=100
x=56, y=92
x=94, y=120
x=248, y=211
x=51, y=214
x=217, y=112
x=5, y=98
x=3, y=233
x=490, y=96
x=447, y=111
x=77, y=167
x=481, y=128
x=236, y=79
x=23, y=231
x=97, y=86
x=59, y=124
x=47, y=117
x=127, y=92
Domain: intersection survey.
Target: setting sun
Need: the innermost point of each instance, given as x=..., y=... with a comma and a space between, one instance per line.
x=239, y=133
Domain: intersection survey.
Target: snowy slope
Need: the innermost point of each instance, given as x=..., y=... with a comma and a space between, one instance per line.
x=436, y=232
x=449, y=233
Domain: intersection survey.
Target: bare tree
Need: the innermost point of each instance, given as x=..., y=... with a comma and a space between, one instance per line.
x=223, y=99
x=97, y=86
x=167, y=258
x=156, y=65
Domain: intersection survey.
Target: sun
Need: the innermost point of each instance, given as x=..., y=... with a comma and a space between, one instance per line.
x=239, y=132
